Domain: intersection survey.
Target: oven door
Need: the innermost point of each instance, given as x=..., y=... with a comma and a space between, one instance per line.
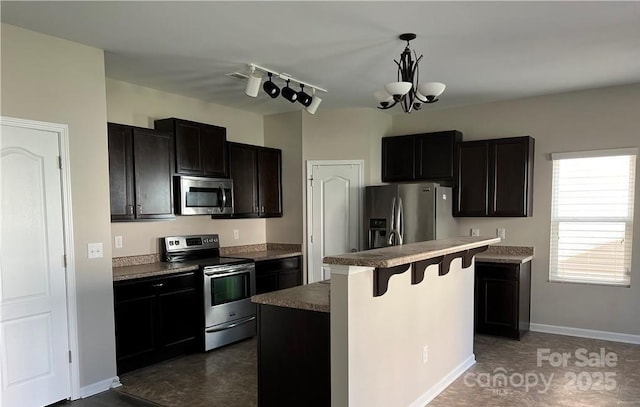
x=204, y=196
x=227, y=293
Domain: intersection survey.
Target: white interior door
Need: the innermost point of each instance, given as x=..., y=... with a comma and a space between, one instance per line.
x=34, y=336
x=334, y=208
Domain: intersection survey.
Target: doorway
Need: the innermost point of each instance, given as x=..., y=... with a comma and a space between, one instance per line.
x=334, y=212
x=38, y=327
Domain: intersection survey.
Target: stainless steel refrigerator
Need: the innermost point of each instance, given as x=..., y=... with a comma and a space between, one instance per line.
x=407, y=213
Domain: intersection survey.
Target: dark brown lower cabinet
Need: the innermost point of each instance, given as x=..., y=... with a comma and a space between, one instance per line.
x=278, y=274
x=293, y=357
x=502, y=299
x=156, y=318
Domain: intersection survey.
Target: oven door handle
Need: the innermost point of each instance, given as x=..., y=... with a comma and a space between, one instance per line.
x=231, y=325
x=216, y=274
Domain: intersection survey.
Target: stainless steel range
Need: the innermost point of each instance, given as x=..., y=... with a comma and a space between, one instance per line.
x=228, y=284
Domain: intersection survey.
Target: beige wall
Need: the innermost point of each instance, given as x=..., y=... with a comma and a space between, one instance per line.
x=140, y=106
x=284, y=131
x=346, y=134
x=587, y=120
x=53, y=80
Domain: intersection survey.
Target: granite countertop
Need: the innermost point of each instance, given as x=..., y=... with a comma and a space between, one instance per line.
x=409, y=253
x=151, y=270
x=506, y=254
x=310, y=297
x=268, y=254
x=149, y=265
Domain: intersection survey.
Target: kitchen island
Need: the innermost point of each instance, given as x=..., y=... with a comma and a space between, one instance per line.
x=400, y=321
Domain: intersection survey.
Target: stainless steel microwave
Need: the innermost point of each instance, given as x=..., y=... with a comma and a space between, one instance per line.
x=203, y=196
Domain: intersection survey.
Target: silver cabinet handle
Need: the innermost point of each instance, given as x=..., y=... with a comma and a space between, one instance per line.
x=157, y=285
x=262, y=209
x=139, y=209
x=130, y=209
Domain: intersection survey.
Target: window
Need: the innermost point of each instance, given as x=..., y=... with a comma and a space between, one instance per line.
x=592, y=216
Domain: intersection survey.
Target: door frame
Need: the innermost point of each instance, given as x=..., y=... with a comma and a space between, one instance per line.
x=309, y=198
x=62, y=133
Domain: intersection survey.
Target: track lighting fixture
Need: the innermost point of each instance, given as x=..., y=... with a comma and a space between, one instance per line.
x=310, y=102
x=407, y=91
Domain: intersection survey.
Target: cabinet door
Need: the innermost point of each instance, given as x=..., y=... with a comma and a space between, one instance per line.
x=398, y=158
x=497, y=299
x=472, y=190
x=135, y=316
x=270, y=182
x=189, y=139
x=436, y=155
x=214, y=151
x=266, y=281
x=288, y=279
x=178, y=311
x=121, y=172
x=152, y=154
x=243, y=159
x=512, y=162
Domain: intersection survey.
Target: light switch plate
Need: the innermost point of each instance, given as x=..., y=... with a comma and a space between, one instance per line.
x=501, y=233
x=95, y=250
x=118, y=242
x=475, y=232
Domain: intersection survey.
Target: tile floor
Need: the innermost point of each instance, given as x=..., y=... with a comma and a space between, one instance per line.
x=227, y=376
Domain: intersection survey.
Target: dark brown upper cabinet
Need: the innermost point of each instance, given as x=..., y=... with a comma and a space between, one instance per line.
x=495, y=177
x=257, y=180
x=201, y=149
x=140, y=171
x=420, y=157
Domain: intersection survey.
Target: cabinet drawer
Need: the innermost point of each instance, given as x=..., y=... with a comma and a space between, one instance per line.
x=143, y=287
x=278, y=264
x=498, y=271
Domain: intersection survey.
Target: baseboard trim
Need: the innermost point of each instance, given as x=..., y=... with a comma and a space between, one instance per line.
x=586, y=333
x=99, y=387
x=439, y=387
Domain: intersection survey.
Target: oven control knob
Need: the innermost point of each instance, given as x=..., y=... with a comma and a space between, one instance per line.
x=170, y=242
x=176, y=242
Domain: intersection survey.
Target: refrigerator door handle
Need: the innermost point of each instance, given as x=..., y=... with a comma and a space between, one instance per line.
x=400, y=227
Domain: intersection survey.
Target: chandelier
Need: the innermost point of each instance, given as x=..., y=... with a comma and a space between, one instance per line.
x=407, y=91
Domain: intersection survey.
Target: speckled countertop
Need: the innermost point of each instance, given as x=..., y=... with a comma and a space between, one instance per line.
x=311, y=297
x=149, y=265
x=151, y=270
x=506, y=254
x=409, y=253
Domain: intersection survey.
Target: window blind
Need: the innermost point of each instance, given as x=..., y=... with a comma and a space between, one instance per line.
x=592, y=216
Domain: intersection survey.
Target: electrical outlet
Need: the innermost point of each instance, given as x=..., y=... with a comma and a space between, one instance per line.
x=94, y=250
x=425, y=354
x=501, y=233
x=475, y=232
x=236, y=234
x=118, y=242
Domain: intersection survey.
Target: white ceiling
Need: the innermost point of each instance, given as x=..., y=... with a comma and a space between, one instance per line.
x=483, y=51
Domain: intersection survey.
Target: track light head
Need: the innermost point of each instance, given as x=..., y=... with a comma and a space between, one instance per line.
x=253, y=83
x=315, y=102
x=303, y=97
x=271, y=88
x=289, y=94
